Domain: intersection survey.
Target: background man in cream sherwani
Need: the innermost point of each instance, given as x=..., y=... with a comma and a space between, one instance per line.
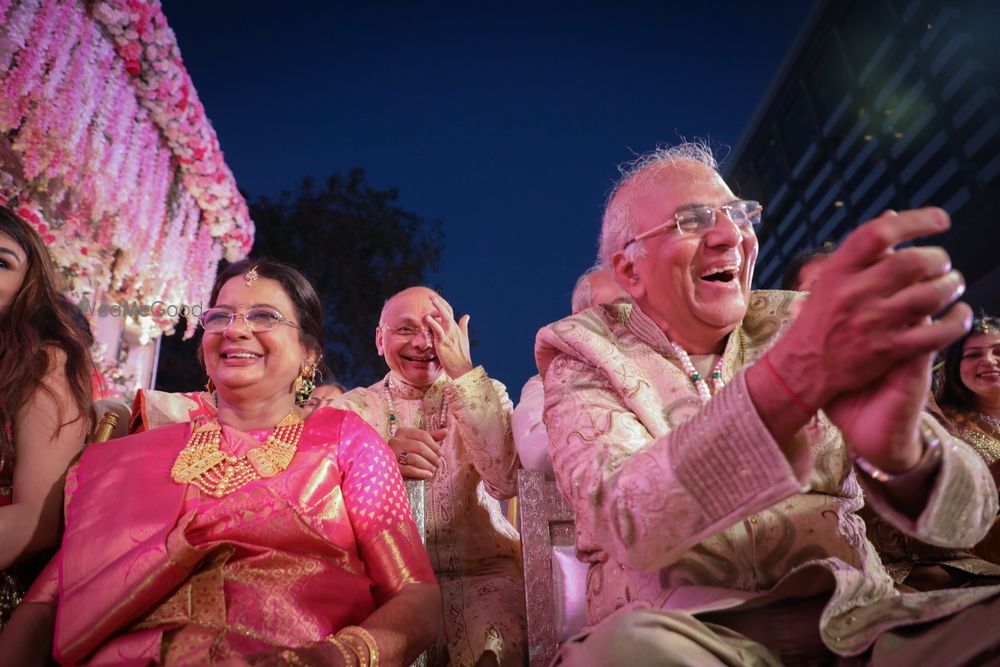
x=716, y=470
x=449, y=424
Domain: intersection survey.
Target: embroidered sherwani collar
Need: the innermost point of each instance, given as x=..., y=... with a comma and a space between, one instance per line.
x=639, y=323
x=408, y=392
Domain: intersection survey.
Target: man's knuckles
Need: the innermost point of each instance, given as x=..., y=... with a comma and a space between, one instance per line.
x=873, y=238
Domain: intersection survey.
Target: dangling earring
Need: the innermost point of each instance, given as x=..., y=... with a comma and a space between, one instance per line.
x=213, y=395
x=305, y=384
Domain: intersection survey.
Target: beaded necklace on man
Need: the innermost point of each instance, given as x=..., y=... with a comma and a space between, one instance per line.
x=696, y=379
x=394, y=418
x=203, y=464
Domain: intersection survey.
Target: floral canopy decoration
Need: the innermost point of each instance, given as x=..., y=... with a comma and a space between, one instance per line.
x=106, y=149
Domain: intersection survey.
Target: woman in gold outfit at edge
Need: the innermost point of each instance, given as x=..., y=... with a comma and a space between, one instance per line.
x=969, y=398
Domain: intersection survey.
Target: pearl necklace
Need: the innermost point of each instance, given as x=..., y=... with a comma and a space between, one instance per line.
x=696, y=379
x=394, y=419
x=205, y=465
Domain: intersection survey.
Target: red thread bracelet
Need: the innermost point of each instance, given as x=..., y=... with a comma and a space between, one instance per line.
x=788, y=390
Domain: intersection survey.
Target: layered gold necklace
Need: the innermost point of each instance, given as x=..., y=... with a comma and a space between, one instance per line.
x=217, y=474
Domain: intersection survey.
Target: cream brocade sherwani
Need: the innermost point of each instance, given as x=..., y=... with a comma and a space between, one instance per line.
x=475, y=551
x=692, y=507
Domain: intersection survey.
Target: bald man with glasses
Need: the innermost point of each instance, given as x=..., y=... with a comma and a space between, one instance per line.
x=448, y=423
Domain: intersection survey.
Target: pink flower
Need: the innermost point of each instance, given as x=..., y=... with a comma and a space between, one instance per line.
x=131, y=51
x=29, y=216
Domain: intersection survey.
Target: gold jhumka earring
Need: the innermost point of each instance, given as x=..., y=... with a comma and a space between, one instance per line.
x=305, y=384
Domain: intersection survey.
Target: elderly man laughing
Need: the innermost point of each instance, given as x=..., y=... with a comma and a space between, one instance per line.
x=448, y=423
x=716, y=470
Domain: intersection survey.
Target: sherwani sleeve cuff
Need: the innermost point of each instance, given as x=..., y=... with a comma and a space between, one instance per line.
x=481, y=410
x=469, y=385
x=728, y=460
x=962, y=504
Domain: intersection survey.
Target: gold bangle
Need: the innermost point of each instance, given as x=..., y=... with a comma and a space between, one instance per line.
x=349, y=657
x=362, y=643
x=359, y=652
x=929, y=461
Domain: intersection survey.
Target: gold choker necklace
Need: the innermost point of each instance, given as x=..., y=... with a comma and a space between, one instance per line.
x=203, y=464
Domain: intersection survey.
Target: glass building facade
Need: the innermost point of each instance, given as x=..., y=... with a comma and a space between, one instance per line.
x=881, y=104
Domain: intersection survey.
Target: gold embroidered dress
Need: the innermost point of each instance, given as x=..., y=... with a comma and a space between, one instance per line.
x=693, y=507
x=982, y=432
x=474, y=550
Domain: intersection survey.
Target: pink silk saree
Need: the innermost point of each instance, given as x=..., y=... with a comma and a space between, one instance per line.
x=151, y=570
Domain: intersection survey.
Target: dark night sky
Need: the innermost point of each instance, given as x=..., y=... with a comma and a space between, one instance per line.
x=504, y=120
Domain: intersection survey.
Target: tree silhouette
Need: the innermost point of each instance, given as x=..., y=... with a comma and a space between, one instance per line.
x=356, y=245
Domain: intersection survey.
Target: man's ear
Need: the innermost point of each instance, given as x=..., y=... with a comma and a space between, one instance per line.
x=626, y=275
x=378, y=341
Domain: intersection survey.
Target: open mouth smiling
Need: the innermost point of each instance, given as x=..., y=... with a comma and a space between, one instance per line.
x=240, y=355
x=722, y=274
x=421, y=359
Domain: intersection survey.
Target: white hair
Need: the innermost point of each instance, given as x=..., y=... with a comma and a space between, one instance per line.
x=582, y=290
x=618, y=223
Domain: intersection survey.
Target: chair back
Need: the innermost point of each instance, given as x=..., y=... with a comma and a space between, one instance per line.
x=113, y=422
x=554, y=581
x=415, y=490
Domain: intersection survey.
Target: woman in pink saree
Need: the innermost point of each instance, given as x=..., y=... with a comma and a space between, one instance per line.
x=256, y=535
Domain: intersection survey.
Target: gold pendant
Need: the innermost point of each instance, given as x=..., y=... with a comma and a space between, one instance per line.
x=203, y=464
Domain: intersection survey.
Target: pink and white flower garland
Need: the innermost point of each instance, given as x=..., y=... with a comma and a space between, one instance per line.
x=118, y=164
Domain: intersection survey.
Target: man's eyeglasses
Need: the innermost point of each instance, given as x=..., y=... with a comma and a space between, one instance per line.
x=699, y=219
x=409, y=331
x=217, y=320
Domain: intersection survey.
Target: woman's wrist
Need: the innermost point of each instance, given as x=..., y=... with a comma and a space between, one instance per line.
x=357, y=645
